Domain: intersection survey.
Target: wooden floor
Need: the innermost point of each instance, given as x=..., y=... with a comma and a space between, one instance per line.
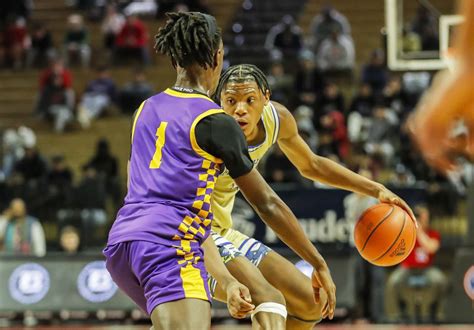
x=244, y=327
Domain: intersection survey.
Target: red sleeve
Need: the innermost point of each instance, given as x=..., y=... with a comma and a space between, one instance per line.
x=434, y=234
x=142, y=34
x=67, y=79
x=120, y=39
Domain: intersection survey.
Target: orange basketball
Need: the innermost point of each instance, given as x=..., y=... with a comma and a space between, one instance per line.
x=385, y=234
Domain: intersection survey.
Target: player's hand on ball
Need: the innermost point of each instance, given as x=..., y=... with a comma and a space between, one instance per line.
x=386, y=196
x=239, y=301
x=321, y=279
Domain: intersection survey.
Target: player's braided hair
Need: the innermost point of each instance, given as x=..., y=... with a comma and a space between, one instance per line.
x=189, y=38
x=239, y=74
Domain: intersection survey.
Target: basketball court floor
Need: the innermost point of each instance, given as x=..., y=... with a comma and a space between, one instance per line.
x=247, y=327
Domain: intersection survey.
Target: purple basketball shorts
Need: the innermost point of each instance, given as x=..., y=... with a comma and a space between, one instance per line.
x=152, y=274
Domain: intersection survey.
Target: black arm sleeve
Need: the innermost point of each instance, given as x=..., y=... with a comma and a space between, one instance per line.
x=220, y=136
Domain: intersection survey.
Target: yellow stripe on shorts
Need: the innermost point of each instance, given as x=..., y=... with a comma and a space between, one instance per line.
x=193, y=284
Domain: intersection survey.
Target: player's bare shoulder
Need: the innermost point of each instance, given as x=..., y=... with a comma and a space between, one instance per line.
x=287, y=121
x=282, y=111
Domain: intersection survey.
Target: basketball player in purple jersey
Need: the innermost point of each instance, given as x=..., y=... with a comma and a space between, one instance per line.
x=156, y=247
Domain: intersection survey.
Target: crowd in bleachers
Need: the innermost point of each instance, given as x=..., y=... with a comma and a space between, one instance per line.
x=45, y=187
x=364, y=130
x=362, y=126
x=27, y=42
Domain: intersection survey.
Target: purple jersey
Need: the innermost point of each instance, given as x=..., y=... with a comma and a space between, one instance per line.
x=170, y=177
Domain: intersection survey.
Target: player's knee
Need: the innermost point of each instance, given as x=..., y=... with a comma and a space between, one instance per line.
x=305, y=308
x=264, y=292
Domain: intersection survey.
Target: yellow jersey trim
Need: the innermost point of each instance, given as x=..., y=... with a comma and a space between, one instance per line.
x=185, y=95
x=136, y=118
x=192, y=136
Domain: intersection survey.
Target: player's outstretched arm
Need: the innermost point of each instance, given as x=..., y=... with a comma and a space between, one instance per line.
x=239, y=301
x=449, y=100
x=324, y=170
x=221, y=137
x=278, y=216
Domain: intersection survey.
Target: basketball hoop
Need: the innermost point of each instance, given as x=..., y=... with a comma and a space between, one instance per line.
x=449, y=57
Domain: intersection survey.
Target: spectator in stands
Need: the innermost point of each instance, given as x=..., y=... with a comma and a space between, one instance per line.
x=402, y=177
x=14, y=144
x=336, y=53
x=333, y=123
x=100, y=93
x=370, y=280
x=20, y=233
x=70, y=240
x=278, y=169
x=76, y=41
x=57, y=102
x=375, y=73
x=12, y=151
x=360, y=113
x=442, y=197
x=364, y=101
x=285, y=37
x=424, y=24
x=411, y=41
x=17, y=42
x=90, y=198
x=135, y=92
x=33, y=166
x=330, y=100
x=103, y=161
x=307, y=132
x=90, y=193
x=381, y=133
x=325, y=23
x=42, y=48
x=309, y=81
x=281, y=83
x=414, y=85
x=327, y=147
x=430, y=38
x=418, y=263
x=111, y=26
x=59, y=183
x=106, y=165
x=132, y=41
x=142, y=8
x=393, y=96
x=56, y=68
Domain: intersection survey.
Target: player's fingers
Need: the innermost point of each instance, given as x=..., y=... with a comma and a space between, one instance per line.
x=332, y=303
x=243, y=305
x=325, y=312
x=239, y=315
x=407, y=208
x=245, y=293
x=236, y=315
x=235, y=312
x=317, y=297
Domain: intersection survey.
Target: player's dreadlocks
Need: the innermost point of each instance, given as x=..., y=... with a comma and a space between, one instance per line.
x=189, y=38
x=239, y=74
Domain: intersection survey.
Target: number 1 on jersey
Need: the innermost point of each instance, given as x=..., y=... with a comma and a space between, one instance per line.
x=160, y=143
